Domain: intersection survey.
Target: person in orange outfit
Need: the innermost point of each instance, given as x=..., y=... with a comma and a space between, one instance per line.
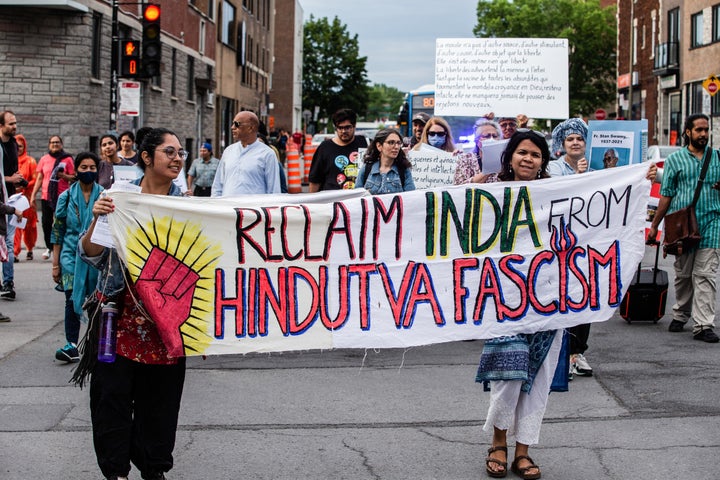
x=27, y=166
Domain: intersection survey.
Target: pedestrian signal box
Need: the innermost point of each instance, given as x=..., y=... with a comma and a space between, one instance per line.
x=130, y=59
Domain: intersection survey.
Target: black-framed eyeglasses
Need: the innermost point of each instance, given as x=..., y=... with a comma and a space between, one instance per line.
x=488, y=136
x=436, y=134
x=393, y=143
x=237, y=124
x=172, y=153
x=344, y=127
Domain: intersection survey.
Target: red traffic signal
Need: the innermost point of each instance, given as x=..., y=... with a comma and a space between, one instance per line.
x=151, y=46
x=152, y=12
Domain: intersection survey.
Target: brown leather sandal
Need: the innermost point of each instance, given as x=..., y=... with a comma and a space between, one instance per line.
x=522, y=472
x=489, y=460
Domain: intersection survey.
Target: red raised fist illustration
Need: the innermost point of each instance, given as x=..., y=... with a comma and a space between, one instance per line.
x=166, y=286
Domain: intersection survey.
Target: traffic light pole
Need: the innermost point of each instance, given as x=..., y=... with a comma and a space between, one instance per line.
x=114, y=57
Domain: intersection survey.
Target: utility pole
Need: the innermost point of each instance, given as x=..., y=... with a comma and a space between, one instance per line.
x=632, y=59
x=114, y=56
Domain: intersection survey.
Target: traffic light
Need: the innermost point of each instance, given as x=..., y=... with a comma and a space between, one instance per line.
x=130, y=61
x=151, y=46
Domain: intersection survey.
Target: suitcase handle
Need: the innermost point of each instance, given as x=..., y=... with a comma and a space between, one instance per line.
x=655, y=268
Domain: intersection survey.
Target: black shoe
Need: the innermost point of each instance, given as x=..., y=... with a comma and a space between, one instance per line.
x=153, y=476
x=707, y=335
x=8, y=291
x=4, y=318
x=29, y=256
x=676, y=326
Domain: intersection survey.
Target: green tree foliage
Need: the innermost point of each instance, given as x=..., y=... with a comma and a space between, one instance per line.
x=591, y=32
x=384, y=102
x=334, y=73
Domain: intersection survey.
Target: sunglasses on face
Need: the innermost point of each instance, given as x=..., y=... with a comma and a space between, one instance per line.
x=436, y=134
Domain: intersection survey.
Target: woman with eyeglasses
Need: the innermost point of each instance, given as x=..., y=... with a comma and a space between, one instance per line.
x=437, y=133
x=386, y=168
x=518, y=402
x=469, y=168
x=110, y=159
x=134, y=400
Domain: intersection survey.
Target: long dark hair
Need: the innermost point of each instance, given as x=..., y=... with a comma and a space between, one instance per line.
x=506, y=173
x=372, y=154
x=150, y=141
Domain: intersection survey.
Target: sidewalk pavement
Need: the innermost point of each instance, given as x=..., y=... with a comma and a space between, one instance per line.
x=649, y=412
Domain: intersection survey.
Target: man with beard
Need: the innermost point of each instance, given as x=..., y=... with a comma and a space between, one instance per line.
x=335, y=163
x=695, y=270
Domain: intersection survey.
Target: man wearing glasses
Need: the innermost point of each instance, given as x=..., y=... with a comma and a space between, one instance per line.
x=247, y=166
x=335, y=163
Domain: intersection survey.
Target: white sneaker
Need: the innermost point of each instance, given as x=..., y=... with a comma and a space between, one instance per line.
x=46, y=254
x=582, y=367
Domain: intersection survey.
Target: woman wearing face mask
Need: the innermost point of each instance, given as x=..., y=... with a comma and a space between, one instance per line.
x=73, y=215
x=110, y=158
x=437, y=133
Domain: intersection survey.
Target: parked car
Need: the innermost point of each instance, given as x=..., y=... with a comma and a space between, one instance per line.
x=318, y=138
x=658, y=153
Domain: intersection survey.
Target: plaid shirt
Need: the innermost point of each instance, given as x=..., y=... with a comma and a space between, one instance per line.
x=680, y=176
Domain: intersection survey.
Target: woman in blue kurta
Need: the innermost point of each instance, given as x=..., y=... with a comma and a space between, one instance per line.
x=73, y=215
x=386, y=168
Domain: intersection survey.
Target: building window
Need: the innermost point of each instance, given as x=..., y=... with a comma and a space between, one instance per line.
x=228, y=24
x=696, y=30
x=673, y=35
x=190, y=79
x=96, y=44
x=201, y=40
x=715, y=108
x=695, y=98
x=716, y=24
x=211, y=10
x=173, y=81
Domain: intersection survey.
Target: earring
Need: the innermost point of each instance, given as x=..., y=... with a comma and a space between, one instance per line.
x=539, y=173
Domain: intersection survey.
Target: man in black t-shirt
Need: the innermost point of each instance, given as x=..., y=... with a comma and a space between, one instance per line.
x=8, y=129
x=335, y=163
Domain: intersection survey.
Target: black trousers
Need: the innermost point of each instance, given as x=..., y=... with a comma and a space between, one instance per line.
x=578, y=338
x=202, y=191
x=134, y=409
x=47, y=221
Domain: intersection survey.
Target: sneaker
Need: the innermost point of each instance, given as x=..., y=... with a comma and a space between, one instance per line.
x=16, y=259
x=582, y=367
x=707, y=335
x=8, y=291
x=676, y=326
x=154, y=476
x=115, y=477
x=4, y=318
x=69, y=353
x=29, y=256
x=46, y=254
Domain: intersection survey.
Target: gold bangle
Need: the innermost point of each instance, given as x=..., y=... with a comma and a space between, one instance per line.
x=56, y=266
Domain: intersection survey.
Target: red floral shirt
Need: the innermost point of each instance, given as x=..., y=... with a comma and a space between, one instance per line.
x=138, y=338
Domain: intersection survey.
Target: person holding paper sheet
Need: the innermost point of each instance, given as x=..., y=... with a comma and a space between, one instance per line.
x=135, y=399
x=73, y=215
x=437, y=134
x=5, y=210
x=469, y=167
x=110, y=158
x=520, y=369
x=386, y=168
x=27, y=166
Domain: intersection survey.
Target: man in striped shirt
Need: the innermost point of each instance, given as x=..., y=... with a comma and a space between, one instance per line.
x=695, y=270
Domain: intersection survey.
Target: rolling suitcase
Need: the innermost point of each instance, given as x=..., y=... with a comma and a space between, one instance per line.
x=647, y=295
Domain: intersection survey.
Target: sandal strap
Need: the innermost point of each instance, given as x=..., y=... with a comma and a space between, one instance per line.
x=524, y=469
x=496, y=461
x=499, y=448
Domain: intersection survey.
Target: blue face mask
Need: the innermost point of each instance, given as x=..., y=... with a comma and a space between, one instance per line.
x=436, y=141
x=87, y=177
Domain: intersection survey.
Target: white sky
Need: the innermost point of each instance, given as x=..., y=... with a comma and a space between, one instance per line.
x=398, y=36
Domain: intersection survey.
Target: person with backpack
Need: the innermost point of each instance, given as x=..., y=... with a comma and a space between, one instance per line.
x=386, y=168
x=49, y=169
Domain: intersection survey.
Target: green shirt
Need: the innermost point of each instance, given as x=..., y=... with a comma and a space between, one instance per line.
x=680, y=177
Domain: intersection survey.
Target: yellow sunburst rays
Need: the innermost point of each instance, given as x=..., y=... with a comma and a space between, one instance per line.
x=186, y=242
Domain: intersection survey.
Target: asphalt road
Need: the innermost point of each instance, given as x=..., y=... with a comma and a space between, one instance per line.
x=651, y=410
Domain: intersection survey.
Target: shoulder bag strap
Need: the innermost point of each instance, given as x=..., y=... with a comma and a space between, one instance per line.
x=701, y=180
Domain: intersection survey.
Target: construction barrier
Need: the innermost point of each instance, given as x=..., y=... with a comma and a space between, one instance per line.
x=293, y=171
x=308, y=152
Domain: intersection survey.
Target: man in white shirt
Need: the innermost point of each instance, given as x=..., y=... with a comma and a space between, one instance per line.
x=247, y=166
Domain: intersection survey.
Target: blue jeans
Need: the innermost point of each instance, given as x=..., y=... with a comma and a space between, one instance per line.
x=72, y=319
x=9, y=266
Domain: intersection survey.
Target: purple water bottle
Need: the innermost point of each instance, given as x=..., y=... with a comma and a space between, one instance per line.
x=107, y=340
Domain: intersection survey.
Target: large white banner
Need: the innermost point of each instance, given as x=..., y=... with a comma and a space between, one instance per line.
x=507, y=76
x=318, y=271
